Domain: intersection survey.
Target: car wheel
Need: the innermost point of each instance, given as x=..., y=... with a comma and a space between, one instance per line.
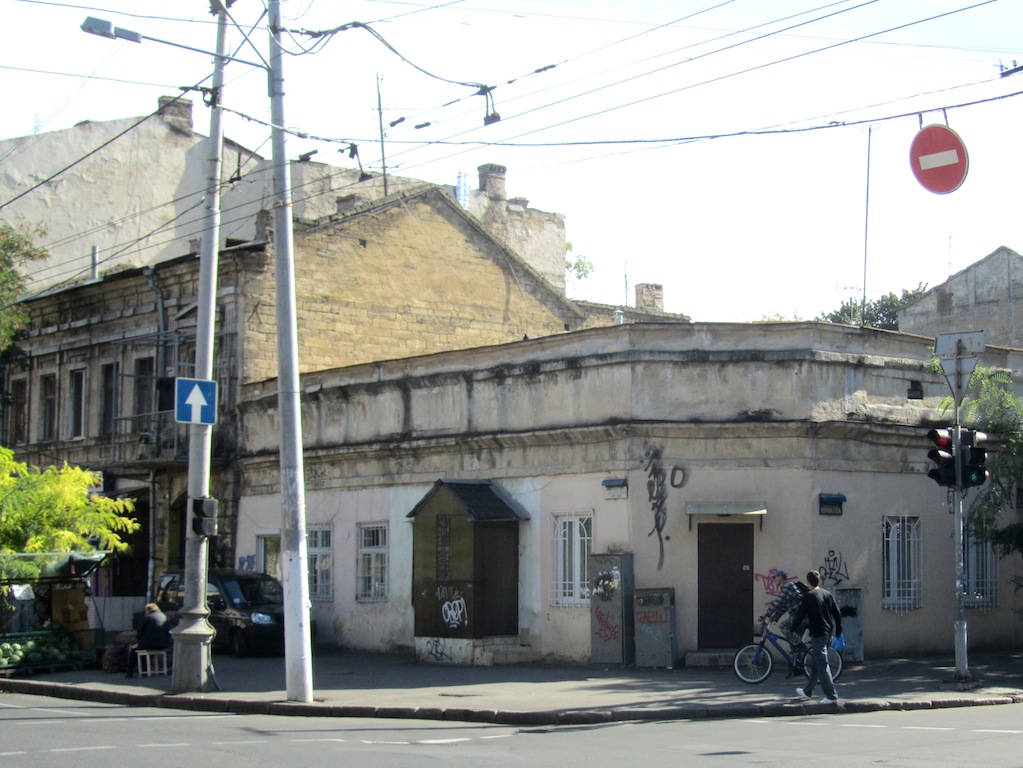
x=239, y=645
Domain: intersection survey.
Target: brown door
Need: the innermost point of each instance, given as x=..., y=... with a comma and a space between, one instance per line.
x=725, y=584
x=498, y=579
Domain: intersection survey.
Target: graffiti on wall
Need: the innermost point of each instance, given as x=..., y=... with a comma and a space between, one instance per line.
x=436, y=649
x=767, y=579
x=453, y=609
x=247, y=563
x=608, y=630
x=606, y=583
x=834, y=571
x=657, y=482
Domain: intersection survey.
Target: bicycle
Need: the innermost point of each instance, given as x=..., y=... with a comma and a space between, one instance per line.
x=753, y=662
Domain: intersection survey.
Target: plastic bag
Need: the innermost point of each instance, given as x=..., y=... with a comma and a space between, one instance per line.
x=838, y=643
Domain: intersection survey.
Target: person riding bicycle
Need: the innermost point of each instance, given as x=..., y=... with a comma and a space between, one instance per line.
x=790, y=595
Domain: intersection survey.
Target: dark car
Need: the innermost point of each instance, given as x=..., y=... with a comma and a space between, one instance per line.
x=246, y=608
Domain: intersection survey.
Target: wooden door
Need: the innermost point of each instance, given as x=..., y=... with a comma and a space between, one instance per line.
x=725, y=585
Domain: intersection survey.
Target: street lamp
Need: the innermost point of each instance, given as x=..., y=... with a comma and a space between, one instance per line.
x=194, y=634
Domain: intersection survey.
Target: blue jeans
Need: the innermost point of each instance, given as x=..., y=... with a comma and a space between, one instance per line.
x=820, y=670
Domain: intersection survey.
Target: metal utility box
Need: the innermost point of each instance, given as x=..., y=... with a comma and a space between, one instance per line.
x=848, y=599
x=654, y=620
x=611, y=633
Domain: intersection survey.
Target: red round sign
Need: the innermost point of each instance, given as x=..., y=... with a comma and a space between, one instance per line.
x=938, y=158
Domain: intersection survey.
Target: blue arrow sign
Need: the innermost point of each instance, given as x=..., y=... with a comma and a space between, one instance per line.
x=195, y=401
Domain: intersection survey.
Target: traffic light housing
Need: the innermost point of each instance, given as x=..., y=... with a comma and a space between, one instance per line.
x=944, y=472
x=204, y=516
x=972, y=457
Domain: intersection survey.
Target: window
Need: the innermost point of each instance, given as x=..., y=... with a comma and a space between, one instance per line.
x=321, y=585
x=573, y=540
x=18, y=423
x=371, y=579
x=268, y=550
x=144, y=393
x=108, y=407
x=48, y=413
x=76, y=404
x=902, y=578
x=981, y=572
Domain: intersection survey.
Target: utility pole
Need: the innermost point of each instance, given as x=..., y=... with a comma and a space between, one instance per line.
x=958, y=353
x=193, y=635
x=297, y=644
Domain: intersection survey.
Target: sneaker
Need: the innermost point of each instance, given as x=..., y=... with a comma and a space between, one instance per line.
x=802, y=694
x=826, y=700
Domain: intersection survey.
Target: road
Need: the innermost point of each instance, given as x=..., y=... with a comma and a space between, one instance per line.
x=45, y=733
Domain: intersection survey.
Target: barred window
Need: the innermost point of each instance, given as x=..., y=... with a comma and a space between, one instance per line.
x=573, y=541
x=371, y=578
x=321, y=583
x=981, y=571
x=902, y=562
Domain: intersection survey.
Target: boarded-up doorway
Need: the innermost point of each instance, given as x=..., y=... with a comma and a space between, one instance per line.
x=725, y=585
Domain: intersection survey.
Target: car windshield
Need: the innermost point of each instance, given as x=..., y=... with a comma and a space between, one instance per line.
x=253, y=591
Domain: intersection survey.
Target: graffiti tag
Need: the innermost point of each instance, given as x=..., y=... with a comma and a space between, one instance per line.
x=834, y=568
x=607, y=629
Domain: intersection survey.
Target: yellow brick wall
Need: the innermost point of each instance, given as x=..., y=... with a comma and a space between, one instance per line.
x=411, y=279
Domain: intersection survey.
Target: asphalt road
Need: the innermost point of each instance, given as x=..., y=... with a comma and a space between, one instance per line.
x=44, y=733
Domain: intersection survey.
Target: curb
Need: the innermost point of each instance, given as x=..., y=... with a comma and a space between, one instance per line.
x=200, y=703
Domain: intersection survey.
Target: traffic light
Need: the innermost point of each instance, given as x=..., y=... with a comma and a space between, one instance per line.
x=972, y=457
x=204, y=516
x=941, y=454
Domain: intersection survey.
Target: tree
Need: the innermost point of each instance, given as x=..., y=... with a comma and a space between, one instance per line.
x=882, y=313
x=999, y=412
x=17, y=249
x=54, y=510
x=579, y=267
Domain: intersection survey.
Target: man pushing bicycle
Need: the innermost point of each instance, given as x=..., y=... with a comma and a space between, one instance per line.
x=790, y=595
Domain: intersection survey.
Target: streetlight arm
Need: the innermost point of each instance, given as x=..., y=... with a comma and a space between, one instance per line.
x=103, y=28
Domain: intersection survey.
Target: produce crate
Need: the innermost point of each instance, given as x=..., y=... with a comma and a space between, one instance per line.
x=48, y=651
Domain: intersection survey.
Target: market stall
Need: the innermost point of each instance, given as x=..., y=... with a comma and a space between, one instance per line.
x=44, y=616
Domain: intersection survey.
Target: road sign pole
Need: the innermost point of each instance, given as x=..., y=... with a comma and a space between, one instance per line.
x=193, y=635
x=958, y=352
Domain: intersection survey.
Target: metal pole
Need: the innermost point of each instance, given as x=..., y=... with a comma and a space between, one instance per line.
x=193, y=635
x=298, y=653
x=962, y=668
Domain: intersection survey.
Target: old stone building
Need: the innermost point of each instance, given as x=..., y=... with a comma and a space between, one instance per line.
x=696, y=459
x=986, y=296
x=378, y=278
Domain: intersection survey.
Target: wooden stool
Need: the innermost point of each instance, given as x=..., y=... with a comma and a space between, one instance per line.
x=152, y=663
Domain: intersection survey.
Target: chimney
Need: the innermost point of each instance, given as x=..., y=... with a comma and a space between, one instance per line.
x=649, y=297
x=492, y=180
x=177, y=113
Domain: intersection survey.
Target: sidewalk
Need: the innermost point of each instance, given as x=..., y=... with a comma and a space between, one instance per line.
x=394, y=686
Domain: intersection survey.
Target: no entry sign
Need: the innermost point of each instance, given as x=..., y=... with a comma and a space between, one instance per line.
x=938, y=158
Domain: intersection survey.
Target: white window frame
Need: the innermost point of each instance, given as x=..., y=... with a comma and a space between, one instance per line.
x=371, y=562
x=980, y=571
x=573, y=544
x=902, y=562
x=320, y=552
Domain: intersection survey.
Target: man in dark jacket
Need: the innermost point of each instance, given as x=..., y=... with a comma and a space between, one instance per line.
x=153, y=634
x=820, y=610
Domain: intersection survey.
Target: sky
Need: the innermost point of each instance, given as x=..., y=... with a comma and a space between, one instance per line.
x=751, y=156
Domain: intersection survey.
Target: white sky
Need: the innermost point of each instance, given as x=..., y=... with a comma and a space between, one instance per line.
x=736, y=228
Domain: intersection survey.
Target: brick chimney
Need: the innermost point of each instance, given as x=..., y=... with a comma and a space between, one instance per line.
x=649, y=297
x=492, y=179
x=177, y=113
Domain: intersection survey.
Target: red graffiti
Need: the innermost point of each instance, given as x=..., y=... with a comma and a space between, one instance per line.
x=651, y=617
x=606, y=629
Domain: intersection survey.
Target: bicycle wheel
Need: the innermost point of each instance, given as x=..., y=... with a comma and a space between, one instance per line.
x=834, y=661
x=752, y=663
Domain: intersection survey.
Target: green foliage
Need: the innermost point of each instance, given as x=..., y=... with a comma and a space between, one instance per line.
x=16, y=250
x=52, y=510
x=579, y=267
x=998, y=412
x=882, y=313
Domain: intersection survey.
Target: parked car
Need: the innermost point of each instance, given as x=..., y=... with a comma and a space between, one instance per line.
x=246, y=608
